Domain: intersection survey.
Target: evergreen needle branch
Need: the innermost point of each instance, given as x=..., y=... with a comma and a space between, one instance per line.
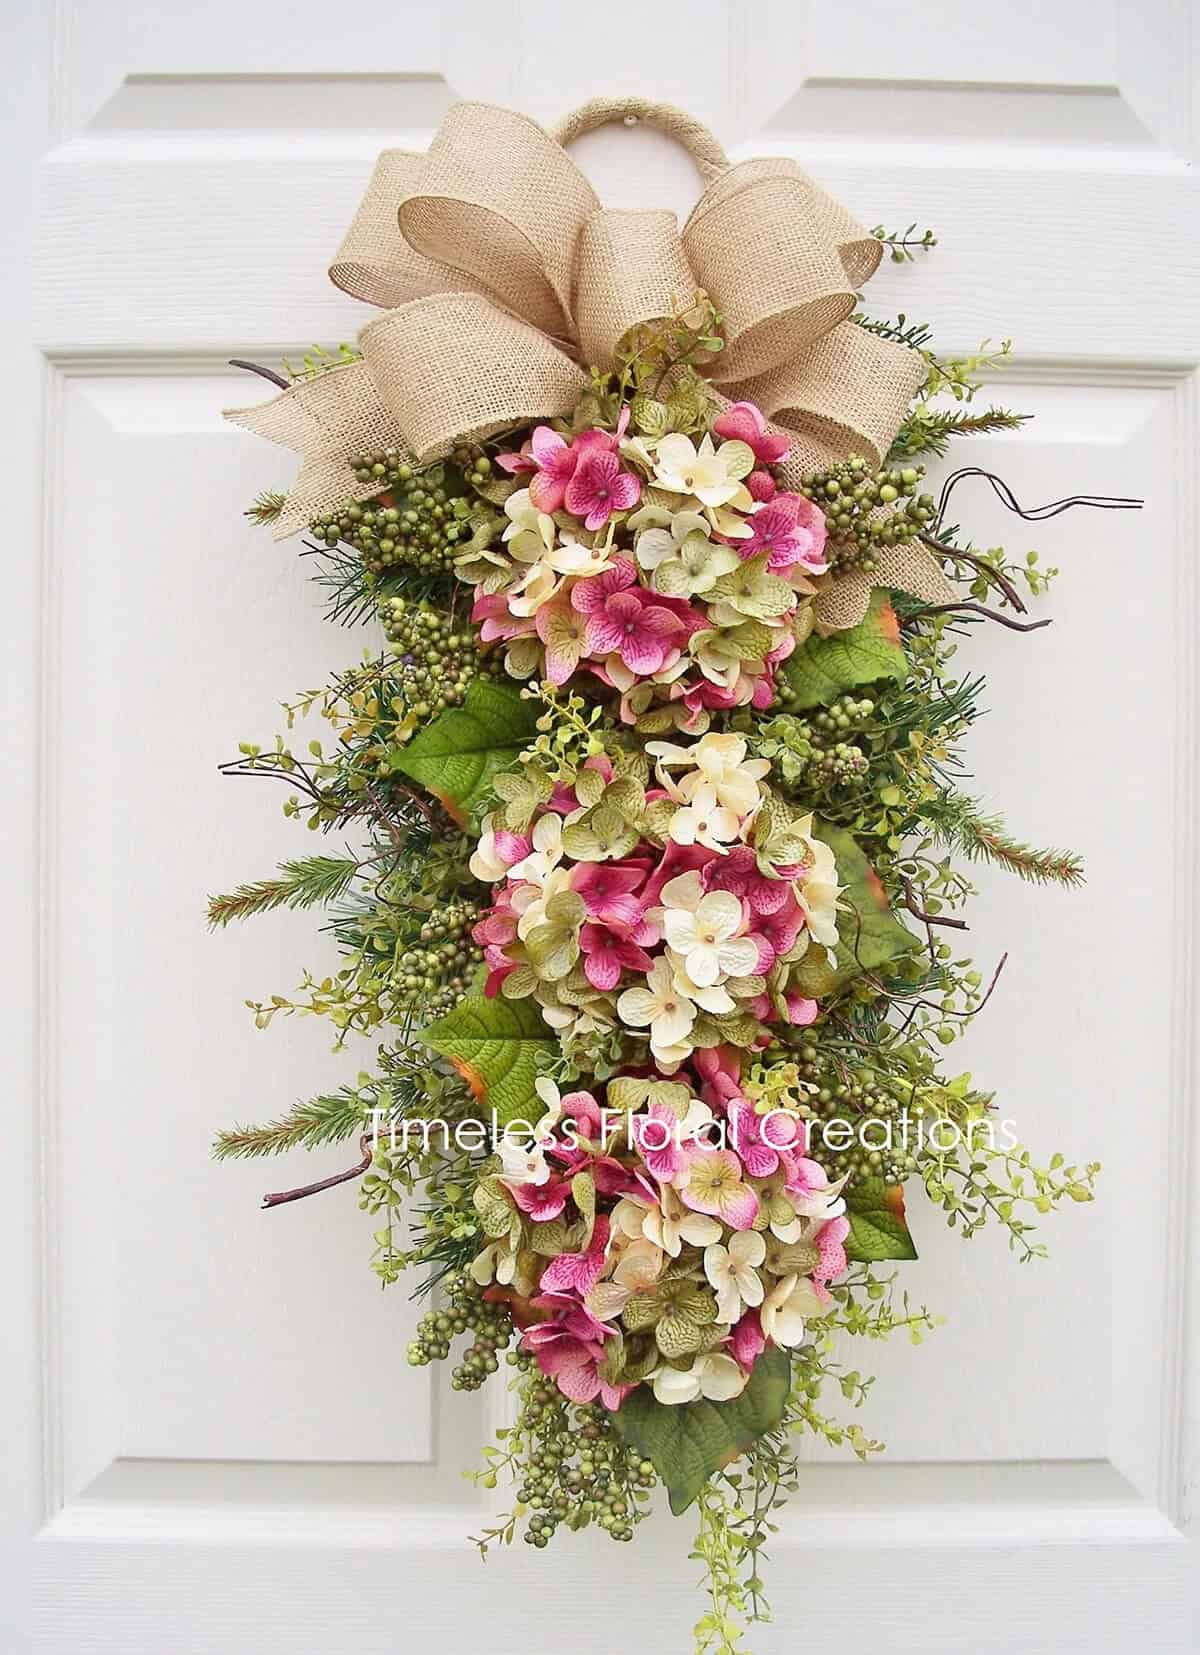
x=326, y=1119
x=959, y=823
x=315, y=880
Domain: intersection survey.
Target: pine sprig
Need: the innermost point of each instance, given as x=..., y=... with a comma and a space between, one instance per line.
x=266, y=507
x=322, y=1120
x=313, y=881
x=959, y=822
x=928, y=431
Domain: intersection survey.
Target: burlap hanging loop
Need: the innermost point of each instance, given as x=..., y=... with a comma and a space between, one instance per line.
x=502, y=279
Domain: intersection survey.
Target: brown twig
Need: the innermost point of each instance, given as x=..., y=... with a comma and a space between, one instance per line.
x=910, y=902
x=980, y=609
x=283, y=1196
x=983, y=566
x=263, y=373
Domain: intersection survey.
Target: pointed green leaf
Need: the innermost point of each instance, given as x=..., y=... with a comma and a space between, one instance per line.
x=687, y=1444
x=878, y=1228
x=456, y=756
x=822, y=668
x=495, y=1045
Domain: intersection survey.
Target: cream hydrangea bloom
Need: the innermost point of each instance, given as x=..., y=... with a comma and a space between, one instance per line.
x=486, y=862
x=733, y=1273
x=703, y=929
x=702, y=821
x=817, y=888
x=662, y=1008
x=719, y=762
x=783, y=1310
x=715, y=1376
x=712, y=475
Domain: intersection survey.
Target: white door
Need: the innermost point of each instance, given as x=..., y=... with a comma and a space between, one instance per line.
x=215, y=1446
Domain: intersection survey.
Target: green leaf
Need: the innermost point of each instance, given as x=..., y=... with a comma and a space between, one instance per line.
x=822, y=668
x=878, y=1229
x=687, y=1444
x=869, y=934
x=456, y=756
x=495, y=1045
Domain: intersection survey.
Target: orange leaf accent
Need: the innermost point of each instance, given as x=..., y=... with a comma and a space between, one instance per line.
x=889, y=623
x=473, y=1078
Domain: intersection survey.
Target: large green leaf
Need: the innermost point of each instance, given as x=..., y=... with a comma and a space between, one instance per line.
x=688, y=1443
x=495, y=1045
x=878, y=1228
x=456, y=756
x=822, y=668
x=869, y=934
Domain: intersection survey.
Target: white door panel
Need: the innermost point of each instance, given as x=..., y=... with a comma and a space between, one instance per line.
x=218, y=1446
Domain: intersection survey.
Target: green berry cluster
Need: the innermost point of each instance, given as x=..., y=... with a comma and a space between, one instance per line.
x=438, y=657
x=434, y=972
x=473, y=463
x=817, y=748
x=867, y=509
x=415, y=521
x=466, y=1309
x=854, y=1094
x=576, y=1469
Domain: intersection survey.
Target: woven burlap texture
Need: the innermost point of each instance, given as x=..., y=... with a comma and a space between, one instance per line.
x=502, y=277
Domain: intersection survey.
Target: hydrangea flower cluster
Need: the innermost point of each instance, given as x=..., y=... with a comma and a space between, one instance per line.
x=674, y=907
x=670, y=570
x=664, y=1237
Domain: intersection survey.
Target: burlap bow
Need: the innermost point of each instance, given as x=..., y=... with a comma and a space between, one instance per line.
x=500, y=274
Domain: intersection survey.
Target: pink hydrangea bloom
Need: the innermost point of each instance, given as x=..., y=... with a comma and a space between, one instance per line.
x=605, y=442
x=607, y=953
x=574, y=1365
x=541, y=1201
x=744, y=422
x=578, y=1272
x=557, y=461
x=831, y=1239
x=676, y=859
x=762, y=1141
x=781, y=928
x=658, y=1141
x=801, y=1010
x=495, y=931
x=747, y=1341
x=760, y=485
x=720, y=1068
x=737, y=871
x=608, y=890
x=492, y=611
x=598, y=486
x=791, y=529
x=627, y=623
x=567, y=1313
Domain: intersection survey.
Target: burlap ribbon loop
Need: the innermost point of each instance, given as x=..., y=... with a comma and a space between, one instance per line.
x=502, y=278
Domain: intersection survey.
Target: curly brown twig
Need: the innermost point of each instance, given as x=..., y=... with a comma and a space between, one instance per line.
x=980, y=609
x=283, y=1196
x=944, y=549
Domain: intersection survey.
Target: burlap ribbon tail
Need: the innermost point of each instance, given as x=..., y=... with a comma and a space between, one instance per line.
x=501, y=278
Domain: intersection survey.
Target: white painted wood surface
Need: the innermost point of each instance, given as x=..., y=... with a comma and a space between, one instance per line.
x=216, y=1447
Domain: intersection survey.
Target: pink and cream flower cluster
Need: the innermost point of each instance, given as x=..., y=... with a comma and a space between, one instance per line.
x=672, y=572
x=666, y=1236
x=676, y=912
